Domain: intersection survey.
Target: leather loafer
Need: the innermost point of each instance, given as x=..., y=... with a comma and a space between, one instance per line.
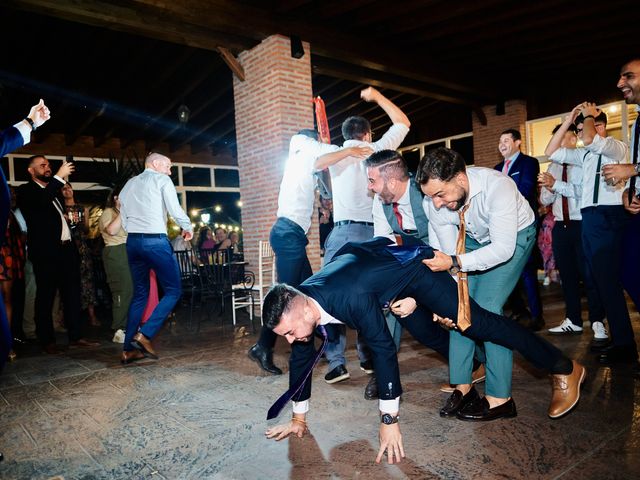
x=264, y=358
x=83, y=342
x=566, y=391
x=142, y=343
x=479, y=375
x=51, y=349
x=458, y=401
x=479, y=411
x=619, y=354
x=371, y=390
x=132, y=356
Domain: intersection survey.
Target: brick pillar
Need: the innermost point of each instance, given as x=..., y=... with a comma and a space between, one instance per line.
x=271, y=105
x=486, y=137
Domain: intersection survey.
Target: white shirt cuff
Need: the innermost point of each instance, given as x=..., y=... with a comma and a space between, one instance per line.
x=301, y=407
x=60, y=179
x=389, y=406
x=25, y=131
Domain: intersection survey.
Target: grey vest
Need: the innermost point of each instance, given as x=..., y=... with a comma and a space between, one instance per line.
x=419, y=217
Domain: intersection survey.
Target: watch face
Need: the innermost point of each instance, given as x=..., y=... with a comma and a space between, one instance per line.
x=388, y=419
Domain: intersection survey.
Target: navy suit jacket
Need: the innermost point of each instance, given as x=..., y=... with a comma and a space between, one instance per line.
x=10, y=140
x=524, y=171
x=361, y=280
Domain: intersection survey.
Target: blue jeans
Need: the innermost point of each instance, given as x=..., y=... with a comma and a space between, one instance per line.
x=147, y=252
x=339, y=236
x=289, y=243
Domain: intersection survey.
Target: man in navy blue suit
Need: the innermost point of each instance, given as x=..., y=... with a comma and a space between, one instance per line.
x=523, y=170
x=353, y=289
x=11, y=139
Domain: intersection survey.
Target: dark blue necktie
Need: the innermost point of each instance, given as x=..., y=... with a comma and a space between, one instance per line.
x=279, y=404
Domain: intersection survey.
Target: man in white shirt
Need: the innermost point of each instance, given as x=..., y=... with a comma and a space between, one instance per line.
x=352, y=201
x=500, y=233
x=145, y=202
x=603, y=223
x=288, y=236
x=561, y=187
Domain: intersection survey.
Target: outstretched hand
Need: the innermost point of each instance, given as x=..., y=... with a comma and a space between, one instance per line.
x=445, y=322
x=391, y=442
x=283, y=431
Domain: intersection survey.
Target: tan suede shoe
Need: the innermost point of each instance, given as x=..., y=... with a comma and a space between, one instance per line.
x=566, y=391
x=141, y=342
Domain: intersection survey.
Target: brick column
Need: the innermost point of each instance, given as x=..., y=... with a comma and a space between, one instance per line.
x=486, y=137
x=271, y=105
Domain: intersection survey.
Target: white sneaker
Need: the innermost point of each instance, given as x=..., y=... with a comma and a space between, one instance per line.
x=599, y=332
x=567, y=326
x=118, y=337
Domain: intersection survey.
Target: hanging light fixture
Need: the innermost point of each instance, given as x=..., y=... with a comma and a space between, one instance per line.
x=183, y=114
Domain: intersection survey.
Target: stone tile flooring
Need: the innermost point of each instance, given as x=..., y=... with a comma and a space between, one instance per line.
x=199, y=413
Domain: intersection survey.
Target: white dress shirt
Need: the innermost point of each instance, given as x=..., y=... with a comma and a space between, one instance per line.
x=496, y=214
x=351, y=197
x=297, y=189
x=386, y=406
x=612, y=151
x=571, y=189
x=65, y=232
x=146, y=200
x=381, y=226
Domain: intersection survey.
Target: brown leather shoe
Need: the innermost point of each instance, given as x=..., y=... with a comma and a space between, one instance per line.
x=51, y=349
x=143, y=343
x=83, y=342
x=477, y=376
x=132, y=356
x=566, y=390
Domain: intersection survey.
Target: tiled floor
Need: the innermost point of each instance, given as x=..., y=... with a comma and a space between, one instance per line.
x=199, y=412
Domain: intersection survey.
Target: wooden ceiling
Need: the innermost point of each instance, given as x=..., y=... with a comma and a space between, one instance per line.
x=121, y=69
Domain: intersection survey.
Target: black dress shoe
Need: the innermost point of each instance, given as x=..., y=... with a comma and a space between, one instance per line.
x=479, y=411
x=619, y=354
x=371, y=390
x=264, y=358
x=128, y=357
x=458, y=401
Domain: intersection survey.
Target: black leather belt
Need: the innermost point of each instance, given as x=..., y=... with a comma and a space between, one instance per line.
x=352, y=222
x=148, y=235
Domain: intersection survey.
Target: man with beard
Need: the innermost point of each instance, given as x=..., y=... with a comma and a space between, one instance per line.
x=55, y=258
x=481, y=224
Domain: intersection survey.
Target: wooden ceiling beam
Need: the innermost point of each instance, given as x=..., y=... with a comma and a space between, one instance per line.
x=70, y=139
x=378, y=79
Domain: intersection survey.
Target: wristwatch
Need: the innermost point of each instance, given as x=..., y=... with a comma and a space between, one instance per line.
x=455, y=267
x=389, y=419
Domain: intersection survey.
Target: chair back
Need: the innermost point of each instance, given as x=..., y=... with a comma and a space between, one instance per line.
x=266, y=270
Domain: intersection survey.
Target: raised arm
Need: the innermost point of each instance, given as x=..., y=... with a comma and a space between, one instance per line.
x=328, y=159
x=556, y=140
x=396, y=115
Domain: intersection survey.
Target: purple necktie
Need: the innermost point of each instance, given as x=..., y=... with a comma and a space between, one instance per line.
x=279, y=404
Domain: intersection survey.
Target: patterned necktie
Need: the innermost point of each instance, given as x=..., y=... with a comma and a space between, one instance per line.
x=636, y=140
x=398, y=215
x=505, y=168
x=464, y=307
x=565, y=201
x=279, y=404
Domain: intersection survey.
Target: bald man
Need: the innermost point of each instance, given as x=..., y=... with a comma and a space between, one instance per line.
x=146, y=200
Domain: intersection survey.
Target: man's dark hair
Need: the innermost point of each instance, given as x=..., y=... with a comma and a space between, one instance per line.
x=390, y=163
x=355, y=128
x=601, y=117
x=572, y=128
x=32, y=158
x=515, y=134
x=440, y=164
x=277, y=302
x=309, y=132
